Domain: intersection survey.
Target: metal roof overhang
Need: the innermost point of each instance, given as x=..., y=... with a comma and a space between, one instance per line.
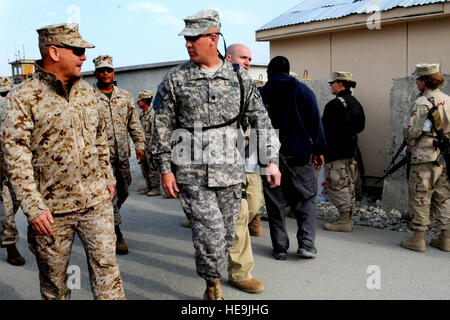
x=355, y=21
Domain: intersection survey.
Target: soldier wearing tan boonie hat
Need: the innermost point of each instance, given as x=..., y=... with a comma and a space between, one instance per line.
x=66, y=33
x=341, y=76
x=426, y=69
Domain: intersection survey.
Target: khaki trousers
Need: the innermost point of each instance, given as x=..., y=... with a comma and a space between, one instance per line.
x=95, y=227
x=429, y=192
x=240, y=258
x=341, y=175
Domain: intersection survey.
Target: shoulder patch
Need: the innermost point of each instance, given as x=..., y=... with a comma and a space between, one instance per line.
x=159, y=97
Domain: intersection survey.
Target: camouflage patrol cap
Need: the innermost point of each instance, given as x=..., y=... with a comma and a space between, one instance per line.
x=103, y=62
x=426, y=69
x=6, y=84
x=145, y=94
x=341, y=75
x=200, y=22
x=66, y=33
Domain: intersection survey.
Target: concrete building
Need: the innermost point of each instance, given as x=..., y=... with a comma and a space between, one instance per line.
x=149, y=76
x=375, y=40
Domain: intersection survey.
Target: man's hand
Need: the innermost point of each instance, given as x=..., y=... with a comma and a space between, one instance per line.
x=112, y=192
x=140, y=155
x=273, y=175
x=319, y=161
x=169, y=184
x=149, y=149
x=42, y=224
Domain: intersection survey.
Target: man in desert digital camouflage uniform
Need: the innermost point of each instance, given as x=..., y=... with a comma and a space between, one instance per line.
x=57, y=160
x=121, y=119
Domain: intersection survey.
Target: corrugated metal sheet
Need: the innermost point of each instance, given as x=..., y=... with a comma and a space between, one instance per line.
x=318, y=10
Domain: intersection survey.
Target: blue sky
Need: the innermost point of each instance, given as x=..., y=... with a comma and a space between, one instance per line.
x=133, y=32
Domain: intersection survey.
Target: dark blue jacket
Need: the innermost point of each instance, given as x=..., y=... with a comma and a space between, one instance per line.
x=293, y=110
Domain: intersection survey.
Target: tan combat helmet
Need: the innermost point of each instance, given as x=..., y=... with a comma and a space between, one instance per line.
x=6, y=84
x=103, y=62
x=66, y=33
x=145, y=94
x=426, y=69
x=200, y=22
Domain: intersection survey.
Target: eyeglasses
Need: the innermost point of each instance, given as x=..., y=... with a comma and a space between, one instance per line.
x=76, y=51
x=105, y=69
x=195, y=38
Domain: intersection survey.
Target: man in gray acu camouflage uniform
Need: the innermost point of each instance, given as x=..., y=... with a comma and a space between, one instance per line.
x=203, y=93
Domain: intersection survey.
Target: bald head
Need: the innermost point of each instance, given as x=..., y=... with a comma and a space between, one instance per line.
x=240, y=54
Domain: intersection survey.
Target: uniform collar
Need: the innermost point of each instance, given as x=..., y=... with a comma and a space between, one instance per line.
x=225, y=71
x=53, y=81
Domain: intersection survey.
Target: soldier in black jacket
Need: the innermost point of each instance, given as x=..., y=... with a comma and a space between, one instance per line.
x=343, y=118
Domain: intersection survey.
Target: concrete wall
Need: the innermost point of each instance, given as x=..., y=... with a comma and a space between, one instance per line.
x=134, y=79
x=403, y=94
x=375, y=57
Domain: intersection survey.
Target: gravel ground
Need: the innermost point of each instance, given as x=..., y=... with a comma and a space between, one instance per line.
x=370, y=214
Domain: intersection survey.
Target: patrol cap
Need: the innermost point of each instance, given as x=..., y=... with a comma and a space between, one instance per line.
x=426, y=69
x=145, y=94
x=6, y=84
x=200, y=22
x=342, y=76
x=103, y=62
x=66, y=33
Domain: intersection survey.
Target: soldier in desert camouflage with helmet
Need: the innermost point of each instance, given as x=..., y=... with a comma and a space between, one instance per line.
x=57, y=159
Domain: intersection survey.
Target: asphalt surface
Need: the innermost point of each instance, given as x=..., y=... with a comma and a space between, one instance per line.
x=160, y=264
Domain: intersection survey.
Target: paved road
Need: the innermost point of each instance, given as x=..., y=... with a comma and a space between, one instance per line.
x=160, y=265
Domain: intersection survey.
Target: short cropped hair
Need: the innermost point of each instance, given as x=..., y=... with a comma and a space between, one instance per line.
x=279, y=65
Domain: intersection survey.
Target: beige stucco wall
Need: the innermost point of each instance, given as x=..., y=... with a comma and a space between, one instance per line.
x=375, y=57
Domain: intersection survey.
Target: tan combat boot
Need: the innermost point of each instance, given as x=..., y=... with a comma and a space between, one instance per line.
x=255, y=227
x=443, y=242
x=250, y=286
x=14, y=257
x=121, y=247
x=416, y=242
x=343, y=224
x=213, y=291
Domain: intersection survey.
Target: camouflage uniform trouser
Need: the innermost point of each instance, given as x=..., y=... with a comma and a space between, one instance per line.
x=341, y=175
x=95, y=228
x=429, y=192
x=240, y=259
x=212, y=213
x=10, y=234
x=150, y=171
x=123, y=177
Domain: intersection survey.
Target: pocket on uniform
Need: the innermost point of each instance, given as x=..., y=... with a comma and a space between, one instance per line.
x=336, y=174
x=308, y=189
x=420, y=182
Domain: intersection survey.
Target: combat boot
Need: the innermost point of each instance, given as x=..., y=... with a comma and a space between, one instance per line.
x=154, y=193
x=213, y=291
x=14, y=256
x=121, y=247
x=250, y=286
x=443, y=242
x=416, y=242
x=143, y=191
x=343, y=224
x=255, y=227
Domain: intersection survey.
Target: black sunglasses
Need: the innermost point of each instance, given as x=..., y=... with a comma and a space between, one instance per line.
x=104, y=69
x=195, y=38
x=76, y=51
